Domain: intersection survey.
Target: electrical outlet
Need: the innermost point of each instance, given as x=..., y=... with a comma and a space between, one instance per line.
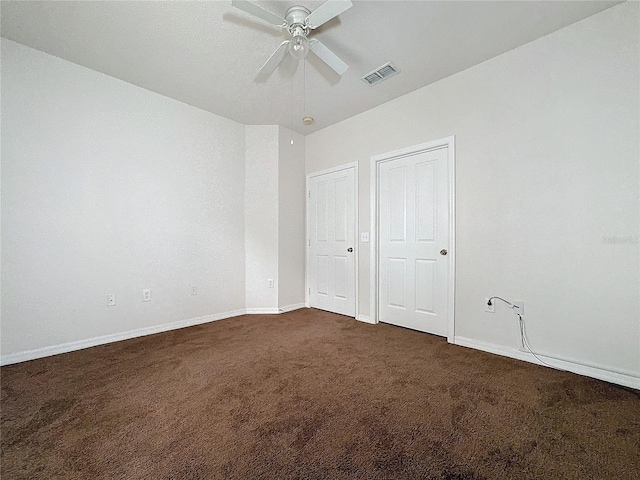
x=146, y=295
x=111, y=300
x=194, y=290
x=489, y=308
x=270, y=283
x=518, y=307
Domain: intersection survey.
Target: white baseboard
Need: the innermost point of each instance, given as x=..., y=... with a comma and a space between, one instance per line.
x=115, y=337
x=627, y=380
x=262, y=311
x=141, y=332
x=291, y=308
x=364, y=318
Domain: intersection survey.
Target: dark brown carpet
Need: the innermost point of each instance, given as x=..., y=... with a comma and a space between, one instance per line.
x=309, y=395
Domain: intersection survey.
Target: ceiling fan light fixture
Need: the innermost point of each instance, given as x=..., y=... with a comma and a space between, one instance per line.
x=299, y=45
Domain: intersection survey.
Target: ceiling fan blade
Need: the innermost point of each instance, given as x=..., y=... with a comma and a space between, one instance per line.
x=327, y=56
x=275, y=59
x=327, y=11
x=259, y=12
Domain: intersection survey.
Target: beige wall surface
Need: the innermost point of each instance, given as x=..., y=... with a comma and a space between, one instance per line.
x=547, y=187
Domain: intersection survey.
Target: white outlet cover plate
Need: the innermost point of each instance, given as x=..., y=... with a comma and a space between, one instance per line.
x=489, y=308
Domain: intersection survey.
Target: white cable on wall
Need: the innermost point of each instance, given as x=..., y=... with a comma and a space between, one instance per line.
x=523, y=333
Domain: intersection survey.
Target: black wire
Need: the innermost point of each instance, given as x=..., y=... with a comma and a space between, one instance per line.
x=499, y=298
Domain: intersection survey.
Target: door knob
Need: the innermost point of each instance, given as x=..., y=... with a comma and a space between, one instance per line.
x=350, y=249
x=443, y=252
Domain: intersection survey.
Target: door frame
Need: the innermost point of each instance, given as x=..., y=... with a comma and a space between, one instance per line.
x=374, y=186
x=356, y=228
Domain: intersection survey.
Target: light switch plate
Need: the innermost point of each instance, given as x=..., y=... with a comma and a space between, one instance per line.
x=364, y=237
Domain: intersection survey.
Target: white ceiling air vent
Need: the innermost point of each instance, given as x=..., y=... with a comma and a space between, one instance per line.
x=385, y=71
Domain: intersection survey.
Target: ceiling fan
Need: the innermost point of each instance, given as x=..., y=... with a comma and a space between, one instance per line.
x=298, y=22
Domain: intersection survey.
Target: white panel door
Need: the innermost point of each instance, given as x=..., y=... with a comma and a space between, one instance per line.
x=331, y=242
x=413, y=232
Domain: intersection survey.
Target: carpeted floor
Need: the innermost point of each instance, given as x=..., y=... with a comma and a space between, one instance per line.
x=309, y=395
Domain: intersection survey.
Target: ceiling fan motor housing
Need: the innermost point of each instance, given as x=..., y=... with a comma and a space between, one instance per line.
x=296, y=17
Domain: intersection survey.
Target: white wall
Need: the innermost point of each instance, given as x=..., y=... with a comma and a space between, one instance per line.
x=109, y=188
x=547, y=159
x=261, y=217
x=274, y=218
x=291, y=216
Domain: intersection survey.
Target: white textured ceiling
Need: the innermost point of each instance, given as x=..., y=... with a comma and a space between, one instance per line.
x=207, y=54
